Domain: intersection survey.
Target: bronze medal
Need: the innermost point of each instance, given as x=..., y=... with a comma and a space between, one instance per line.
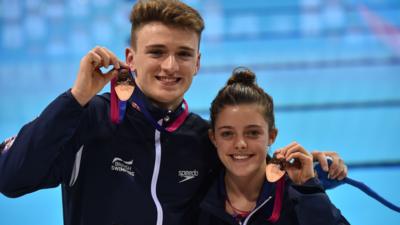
x=125, y=85
x=276, y=168
x=124, y=91
x=274, y=172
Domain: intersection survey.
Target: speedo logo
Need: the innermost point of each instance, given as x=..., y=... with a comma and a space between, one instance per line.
x=120, y=165
x=187, y=175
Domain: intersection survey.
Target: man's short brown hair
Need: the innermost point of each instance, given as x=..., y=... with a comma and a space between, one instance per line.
x=169, y=12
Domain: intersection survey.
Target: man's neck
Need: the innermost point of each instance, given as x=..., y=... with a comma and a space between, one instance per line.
x=165, y=106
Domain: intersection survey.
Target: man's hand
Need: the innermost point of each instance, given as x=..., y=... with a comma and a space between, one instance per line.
x=90, y=80
x=337, y=170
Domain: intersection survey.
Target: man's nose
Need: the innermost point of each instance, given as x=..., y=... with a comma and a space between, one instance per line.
x=170, y=65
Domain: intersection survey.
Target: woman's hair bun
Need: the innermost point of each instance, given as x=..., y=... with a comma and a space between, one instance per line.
x=242, y=75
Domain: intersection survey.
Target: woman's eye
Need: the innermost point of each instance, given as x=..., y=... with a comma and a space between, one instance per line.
x=226, y=134
x=253, y=133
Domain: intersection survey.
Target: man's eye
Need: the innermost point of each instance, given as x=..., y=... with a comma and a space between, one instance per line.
x=185, y=54
x=155, y=53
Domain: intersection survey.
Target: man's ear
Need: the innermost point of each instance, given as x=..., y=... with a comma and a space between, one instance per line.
x=130, y=58
x=273, y=133
x=211, y=135
x=197, y=64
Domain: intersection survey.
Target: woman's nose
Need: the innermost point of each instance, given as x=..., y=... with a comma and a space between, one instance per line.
x=240, y=144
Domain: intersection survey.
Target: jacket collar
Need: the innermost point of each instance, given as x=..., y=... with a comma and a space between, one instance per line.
x=214, y=201
x=153, y=113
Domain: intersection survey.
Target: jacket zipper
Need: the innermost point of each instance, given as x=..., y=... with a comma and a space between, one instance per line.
x=156, y=172
x=255, y=210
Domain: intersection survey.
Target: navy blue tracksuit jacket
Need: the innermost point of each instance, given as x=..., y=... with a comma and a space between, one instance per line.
x=305, y=204
x=125, y=174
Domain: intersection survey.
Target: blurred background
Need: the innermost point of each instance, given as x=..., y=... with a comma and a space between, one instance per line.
x=332, y=67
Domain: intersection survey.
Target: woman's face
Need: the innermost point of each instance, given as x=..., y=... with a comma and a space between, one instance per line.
x=241, y=137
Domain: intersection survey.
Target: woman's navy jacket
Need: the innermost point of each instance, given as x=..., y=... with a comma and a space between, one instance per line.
x=305, y=204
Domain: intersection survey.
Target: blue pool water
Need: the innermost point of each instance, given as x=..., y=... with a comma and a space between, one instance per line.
x=335, y=80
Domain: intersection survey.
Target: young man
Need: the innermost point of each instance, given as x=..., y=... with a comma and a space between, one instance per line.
x=151, y=168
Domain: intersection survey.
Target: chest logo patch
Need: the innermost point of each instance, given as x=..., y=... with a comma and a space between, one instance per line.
x=186, y=175
x=120, y=165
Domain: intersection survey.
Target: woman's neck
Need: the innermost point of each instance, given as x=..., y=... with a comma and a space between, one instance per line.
x=242, y=192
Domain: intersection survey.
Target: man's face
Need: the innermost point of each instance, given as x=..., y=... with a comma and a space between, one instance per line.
x=165, y=60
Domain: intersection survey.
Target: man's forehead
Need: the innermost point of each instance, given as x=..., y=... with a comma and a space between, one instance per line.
x=162, y=46
x=159, y=34
x=157, y=25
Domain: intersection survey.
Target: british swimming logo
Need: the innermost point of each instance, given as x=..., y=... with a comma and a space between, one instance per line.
x=122, y=166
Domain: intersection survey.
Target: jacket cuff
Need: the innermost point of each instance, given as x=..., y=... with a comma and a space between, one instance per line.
x=69, y=95
x=311, y=186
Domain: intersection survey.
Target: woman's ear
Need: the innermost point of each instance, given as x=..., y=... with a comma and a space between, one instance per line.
x=212, y=137
x=273, y=133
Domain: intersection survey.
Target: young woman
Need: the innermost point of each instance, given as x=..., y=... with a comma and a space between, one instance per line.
x=253, y=190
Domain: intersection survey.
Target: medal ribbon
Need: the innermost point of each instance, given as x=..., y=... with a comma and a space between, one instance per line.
x=114, y=108
x=276, y=212
x=329, y=183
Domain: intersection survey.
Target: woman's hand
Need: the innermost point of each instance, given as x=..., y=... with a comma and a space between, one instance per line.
x=300, y=162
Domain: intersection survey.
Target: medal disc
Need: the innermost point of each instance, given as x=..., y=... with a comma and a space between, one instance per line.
x=273, y=172
x=125, y=84
x=124, y=91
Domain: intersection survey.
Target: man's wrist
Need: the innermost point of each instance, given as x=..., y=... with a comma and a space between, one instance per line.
x=80, y=98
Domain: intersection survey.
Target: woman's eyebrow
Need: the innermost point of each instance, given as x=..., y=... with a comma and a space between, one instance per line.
x=224, y=127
